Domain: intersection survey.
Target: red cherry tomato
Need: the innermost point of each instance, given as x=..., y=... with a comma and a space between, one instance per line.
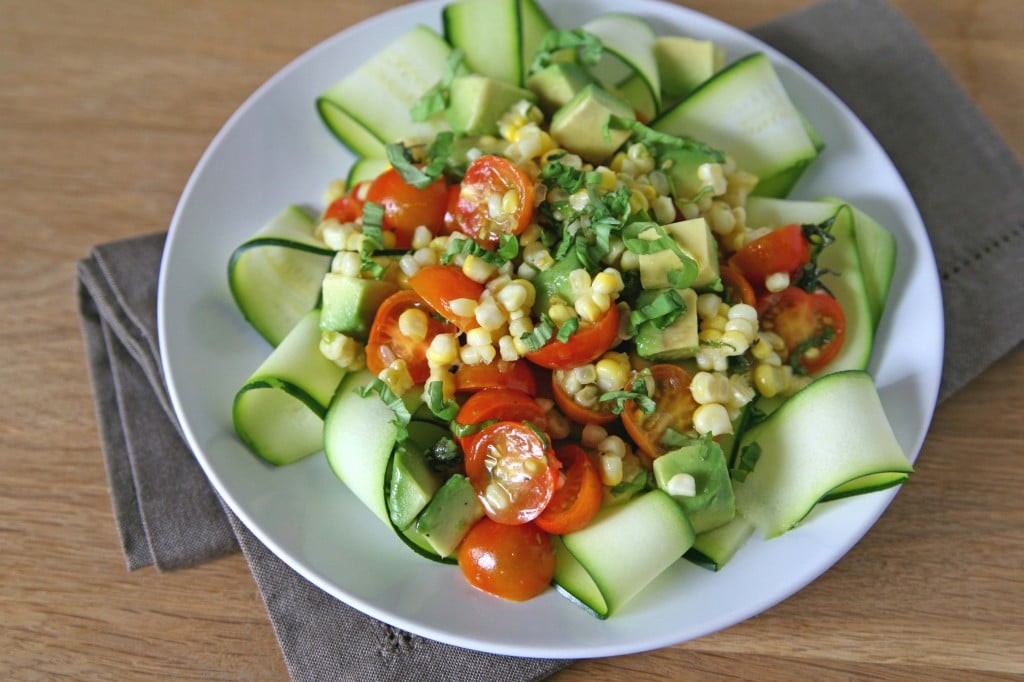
x=812, y=325
x=387, y=343
x=348, y=207
x=439, y=285
x=737, y=288
x=513, y=470
x=502, y=404
x=675, y=408
x=511, y=562
x=588, y=343
x=598, y=414
x=487, y=182
x=406, y=207
x=499, y=374
x=575, y=503
x=450, y=222
x=781, y=250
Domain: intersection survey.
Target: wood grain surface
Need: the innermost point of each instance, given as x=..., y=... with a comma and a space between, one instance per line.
x=105, y=107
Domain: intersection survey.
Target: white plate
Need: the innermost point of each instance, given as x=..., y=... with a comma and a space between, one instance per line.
x=275, y=151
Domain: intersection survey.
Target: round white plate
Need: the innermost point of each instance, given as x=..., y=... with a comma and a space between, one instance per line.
x=275, y=151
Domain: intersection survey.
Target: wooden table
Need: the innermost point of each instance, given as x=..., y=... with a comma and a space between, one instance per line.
x=105, y=107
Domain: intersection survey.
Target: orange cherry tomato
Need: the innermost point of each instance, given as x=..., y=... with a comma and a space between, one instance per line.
x=737, y=288
x=439, y=285
x=588, y=343
x=512, y=562
x=348, y=207
x=387, y=343
x=513, y=470
x=450, y=223
x=812, y=325
x=516, y=375
x=675, y=408
x=575, y=503
x=782, y=250
x=598, y=414
x=489, y=180
x=406, y=207
x=502, y=404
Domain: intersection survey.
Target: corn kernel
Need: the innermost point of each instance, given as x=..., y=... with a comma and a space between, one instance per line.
x=777, y=281
x=592, y=435
x=611, y=470
x=477, y=269
x=463, y=307
x=707, y=387
x=560, y=313
x=712, y=418
x=490, y=316
x=612, y=371
x=507, y=349
x=413, y=323
x=587, y=396
x=681, y=485
x=347, y=263
x=612, y=445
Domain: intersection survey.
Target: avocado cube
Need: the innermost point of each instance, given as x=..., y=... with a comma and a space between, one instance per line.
x=350, y=303
x=449, y=515
x=695, y=239
x=678, y=340
x=411, y=486
x=555, y=85
x=681, y=166
x=581, y=126
x=713, y=504
x=476, y=103
x=684, y=63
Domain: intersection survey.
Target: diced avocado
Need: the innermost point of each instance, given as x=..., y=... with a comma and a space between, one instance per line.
x=713, y=504
x=555, y=85
x=681, y=166
x=695, y=238
x=581, y=126
x=684, y=63
x=411, y=486
x=555, y=282
x=678, y=340
x=665, y=268
x=476, y=103
x=449, y=515
x=349, y=303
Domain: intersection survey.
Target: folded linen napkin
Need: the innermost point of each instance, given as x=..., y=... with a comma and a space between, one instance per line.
x=169, y=516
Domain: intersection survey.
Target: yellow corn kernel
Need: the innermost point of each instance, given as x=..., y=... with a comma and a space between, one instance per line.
x=588, y=309
x=611, y=470
x=413, y=323
x=613, y=371
x=607, y=282
x=477, y=269
x=712, y=418
x=396, y=377
x=770, y=380
x=478, y=336
x=490, y=316
x=560, y=313
x=707, y=387
x=443, y=350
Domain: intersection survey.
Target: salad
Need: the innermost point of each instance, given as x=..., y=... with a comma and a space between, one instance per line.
x=570, y=329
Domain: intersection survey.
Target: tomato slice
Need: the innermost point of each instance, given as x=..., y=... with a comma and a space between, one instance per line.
x=513, y=470
x=348, y=207
x=781, y=250
x=501, y=404
x=386, y=342
x=588, y=343
x=675, y=408
x=599, y=414
x=450, y=223
x=439, y=285
x=737, y=288
x=407, y=207
x=574, y=504
x=512, y=562
x=485, y=186
x=812, y=325
x=499, y=374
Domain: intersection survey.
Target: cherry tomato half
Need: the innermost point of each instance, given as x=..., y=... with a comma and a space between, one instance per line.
x=387, y=343
x=511, y=562
x=737, y=288
x=348, y=207
x=812, y=325
x=781, y=250
x=450, y=223
x=598, y=414
x=576, y=502
x=513, y=471
x=489, y=182
x=439, y=285
x=406, y=207
x=503, y=404
x=516, y=375
x=675, y=408
x=588, y=343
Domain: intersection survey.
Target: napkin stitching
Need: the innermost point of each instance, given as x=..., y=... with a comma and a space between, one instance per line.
x=991, y=248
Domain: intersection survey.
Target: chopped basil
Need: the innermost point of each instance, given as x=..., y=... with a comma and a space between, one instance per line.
x=748, y=459
x=568, y=328
x=373, y=239
x=402, y=416
x=463, y=430
x=635, y=485
x=442, y=409
x=438, y=156
x=656, y=139
x=665, y=309
x=541, y=334
x=589, y=45
x=435, y=100
x=469, y=247
x=508, y=246
x=636, y=392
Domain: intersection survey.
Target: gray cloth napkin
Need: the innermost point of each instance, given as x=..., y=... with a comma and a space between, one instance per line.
x=968, y=186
